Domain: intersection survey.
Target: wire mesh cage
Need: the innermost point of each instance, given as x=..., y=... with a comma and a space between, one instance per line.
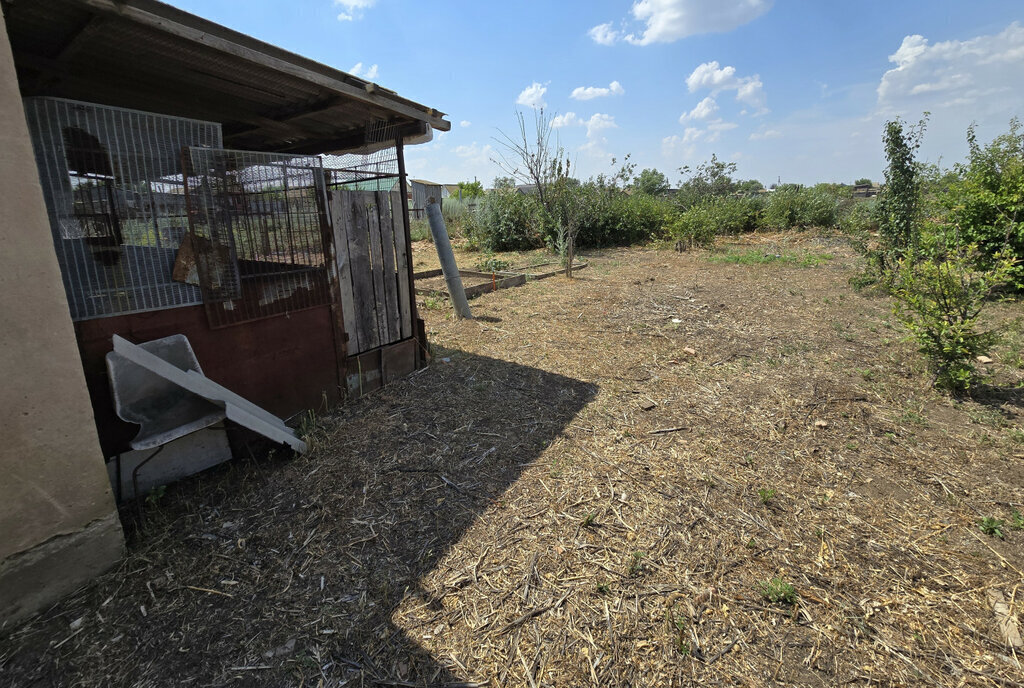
x=258, y=232
x=112, y=183
x=372, y=168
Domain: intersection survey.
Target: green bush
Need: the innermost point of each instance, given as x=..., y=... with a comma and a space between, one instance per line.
x=699, y=224
x=858, y=217
x=692, y=229
x=939, y=298
x=507, y=220
x=790, y=206
x=615, y=218
x=986, y=203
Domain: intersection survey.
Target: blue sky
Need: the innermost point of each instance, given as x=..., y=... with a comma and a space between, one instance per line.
x=790, y=89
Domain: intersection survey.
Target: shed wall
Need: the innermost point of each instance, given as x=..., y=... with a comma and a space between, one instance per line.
x=58, y=526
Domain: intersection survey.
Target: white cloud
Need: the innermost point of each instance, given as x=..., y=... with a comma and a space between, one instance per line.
x=599, y=122
x=716, y=128
x=591, y=92
x=979, y=72
x=666, y=21
x=368, y=73
x=464, y=123
x=702, y=110
x=569, y=119
x=714, y=77
x=353, y=9
x=474, y=154
x=603, y=34
x=765, y=134
x=673, y=147
x=691, y=134
x=533, y=96
x=751, y=92
x=711, y=75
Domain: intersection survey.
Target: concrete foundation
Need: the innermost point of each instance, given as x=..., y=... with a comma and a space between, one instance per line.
x=34, y=579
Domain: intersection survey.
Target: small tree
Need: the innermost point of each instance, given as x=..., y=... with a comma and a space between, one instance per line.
x=531, y=157
x=568, y=204
x=749, y=186
x=939, y=299
x=473, y=189
x=900, y=201
x=863, y=181
x=651, y=182
x=711, y=178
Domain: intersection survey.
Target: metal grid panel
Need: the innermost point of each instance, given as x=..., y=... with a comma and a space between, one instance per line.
x=112, y=182
x=373, y=168
x=258, y=227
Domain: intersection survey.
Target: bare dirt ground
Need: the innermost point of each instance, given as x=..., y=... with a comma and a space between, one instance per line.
x=603, y=482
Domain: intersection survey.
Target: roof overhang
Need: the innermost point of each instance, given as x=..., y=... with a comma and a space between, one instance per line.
x=147, y=55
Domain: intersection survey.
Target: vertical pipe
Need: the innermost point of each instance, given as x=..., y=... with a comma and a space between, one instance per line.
x=447, y=258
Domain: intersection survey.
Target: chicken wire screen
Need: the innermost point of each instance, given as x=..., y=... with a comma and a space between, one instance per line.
x=114, y=194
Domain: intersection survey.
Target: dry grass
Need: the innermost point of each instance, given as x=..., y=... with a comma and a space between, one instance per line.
x=605, y=482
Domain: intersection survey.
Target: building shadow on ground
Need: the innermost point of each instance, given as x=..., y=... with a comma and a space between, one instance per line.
x=283, y=571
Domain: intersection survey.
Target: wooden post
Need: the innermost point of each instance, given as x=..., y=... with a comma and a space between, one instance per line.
x=418, y=331
x=330, y=251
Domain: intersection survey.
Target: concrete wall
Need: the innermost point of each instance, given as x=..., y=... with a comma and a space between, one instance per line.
x=58, y=524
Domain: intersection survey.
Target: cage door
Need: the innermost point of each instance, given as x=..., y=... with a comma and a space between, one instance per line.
x=257, y=226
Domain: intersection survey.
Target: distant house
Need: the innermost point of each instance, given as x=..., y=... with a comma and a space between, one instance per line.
x=419, y=195
x=526, y=188
x=865, y=191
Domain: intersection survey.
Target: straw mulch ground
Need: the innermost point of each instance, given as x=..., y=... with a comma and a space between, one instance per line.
x=592, y=485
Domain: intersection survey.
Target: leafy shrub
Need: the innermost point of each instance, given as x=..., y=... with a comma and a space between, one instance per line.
x=783, y=208
x=491, y=264
x=456, y=215
x=614, y=218
x=698, y=224
x=858, y=217
x=986, y=203
x=692, y=229
x=790, y=206
x=939, y=298
x=508, y=221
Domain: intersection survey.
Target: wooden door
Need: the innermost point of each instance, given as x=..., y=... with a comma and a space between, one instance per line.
x=373, y=268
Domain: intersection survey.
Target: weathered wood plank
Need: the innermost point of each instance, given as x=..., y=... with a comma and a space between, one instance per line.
x=341, y=219
x=387, y=240
x=402, y=258
x=361, y=272
x=380, y=309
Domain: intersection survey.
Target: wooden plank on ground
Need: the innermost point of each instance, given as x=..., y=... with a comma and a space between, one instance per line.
x=362, y=273
x=387, y=240
x=342, y=222
x=402, y=258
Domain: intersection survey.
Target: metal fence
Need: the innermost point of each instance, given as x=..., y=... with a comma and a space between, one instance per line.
x=113, y=188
